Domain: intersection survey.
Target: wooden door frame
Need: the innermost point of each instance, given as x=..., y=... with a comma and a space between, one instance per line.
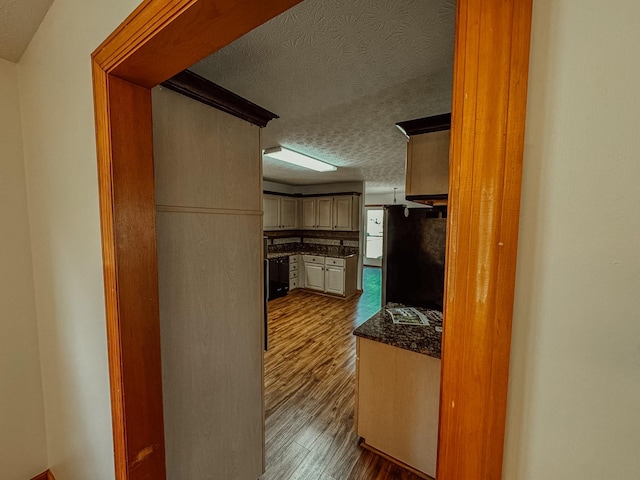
x=163, y=37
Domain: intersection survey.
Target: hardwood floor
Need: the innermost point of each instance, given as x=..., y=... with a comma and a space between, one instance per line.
x=310, y=389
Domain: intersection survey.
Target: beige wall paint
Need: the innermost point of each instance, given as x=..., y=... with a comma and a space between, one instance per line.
x=574, y=408
x=60, y=161
x=23, y=448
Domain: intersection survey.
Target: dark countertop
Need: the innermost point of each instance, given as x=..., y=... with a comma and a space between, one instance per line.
x=417, y=338
x=302, y=252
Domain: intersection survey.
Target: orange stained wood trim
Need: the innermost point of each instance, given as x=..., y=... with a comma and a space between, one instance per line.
x=181, y=33
x=44, y=476
x=489, y=101
x=127, y=206
x=163, y=37
x=158, y=40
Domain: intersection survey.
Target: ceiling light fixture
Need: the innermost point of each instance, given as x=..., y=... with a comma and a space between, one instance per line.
x=289, y=156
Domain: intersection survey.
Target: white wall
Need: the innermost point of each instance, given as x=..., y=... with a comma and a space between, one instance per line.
x=574, y=394
x=60, y=161
x=23, y=448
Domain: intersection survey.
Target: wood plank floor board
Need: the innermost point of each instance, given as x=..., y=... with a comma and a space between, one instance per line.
x=310, y=389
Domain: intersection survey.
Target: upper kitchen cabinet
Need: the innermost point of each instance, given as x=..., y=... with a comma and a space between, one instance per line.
x=346, y=211
x=271, y=217
x=288, y=213
x=308, y=213
x=339, y=212
x=324, y=215
x=280, y=213
x=427, y=179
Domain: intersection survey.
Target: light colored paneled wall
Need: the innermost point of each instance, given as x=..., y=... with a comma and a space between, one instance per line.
x=209, y=227
x=23, y=443
x=60, y=162
x=573, y=408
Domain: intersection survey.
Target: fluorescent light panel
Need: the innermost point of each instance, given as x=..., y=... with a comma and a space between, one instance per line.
x=289, y=156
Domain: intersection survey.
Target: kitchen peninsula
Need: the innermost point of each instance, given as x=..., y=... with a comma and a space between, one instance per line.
x=398, y=388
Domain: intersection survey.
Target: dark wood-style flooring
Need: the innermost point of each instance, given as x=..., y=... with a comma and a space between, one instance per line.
x=310, y=389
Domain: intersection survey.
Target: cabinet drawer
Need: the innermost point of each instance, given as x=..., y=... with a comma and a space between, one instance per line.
x=293, y=259
x=293, y=274
x=293, y=283
x=313, y=259
x=293, y=266
x=339, y=262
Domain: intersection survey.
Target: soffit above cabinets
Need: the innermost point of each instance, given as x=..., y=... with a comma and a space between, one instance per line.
x=19, y=20
x=340, y=75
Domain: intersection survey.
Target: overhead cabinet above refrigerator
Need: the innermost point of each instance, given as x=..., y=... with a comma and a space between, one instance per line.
x=427, y=175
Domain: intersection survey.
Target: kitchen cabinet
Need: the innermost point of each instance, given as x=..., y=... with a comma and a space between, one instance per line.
x=314, y=276
x=317, y=213
x=271, y=208
x=337, y=212
x=334, y=279
x=288, y=213
x=280, y=213
x=308, y=213
x=397, y=403
x=337, y=276
x=324, y=215
x=346, y=213
x=427, y=174
x=294, y=272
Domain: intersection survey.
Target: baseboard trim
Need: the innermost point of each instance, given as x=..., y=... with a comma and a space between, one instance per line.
x=44, y=476
x=416, y=472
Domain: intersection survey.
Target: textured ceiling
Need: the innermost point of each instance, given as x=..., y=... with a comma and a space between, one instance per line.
x=19, y=20
x=340, y=74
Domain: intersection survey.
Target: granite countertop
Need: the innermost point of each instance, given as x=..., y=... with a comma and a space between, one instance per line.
x=302, y=252
x=417, y=338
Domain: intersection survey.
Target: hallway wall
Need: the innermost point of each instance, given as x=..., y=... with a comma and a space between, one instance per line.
x=60, y=162
x=23, y=451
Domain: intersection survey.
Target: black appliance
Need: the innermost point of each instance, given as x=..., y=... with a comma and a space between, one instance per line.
x=414, y=245
x=278, y=277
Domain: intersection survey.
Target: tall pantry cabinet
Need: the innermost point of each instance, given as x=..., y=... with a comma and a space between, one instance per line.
x=209, y=229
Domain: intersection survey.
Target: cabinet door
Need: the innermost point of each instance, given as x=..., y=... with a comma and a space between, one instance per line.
x=324, y=217
x=308, y=213
x=428, y=164
x=271, y=207
x=343, y=213
x=288, y=213
x=334, y=280
x=314, y=276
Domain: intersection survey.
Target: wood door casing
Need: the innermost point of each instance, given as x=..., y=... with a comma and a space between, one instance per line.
x=160, y=39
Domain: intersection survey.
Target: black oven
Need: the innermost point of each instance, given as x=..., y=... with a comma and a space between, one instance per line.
x=278, y=277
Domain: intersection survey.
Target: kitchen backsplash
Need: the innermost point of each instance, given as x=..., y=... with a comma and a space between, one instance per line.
x=316, y=242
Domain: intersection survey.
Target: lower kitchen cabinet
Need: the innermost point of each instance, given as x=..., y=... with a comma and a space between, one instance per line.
x=314, y=276
x=294, y=272
x=397, y=403
x=337, y=276
x=334, y=280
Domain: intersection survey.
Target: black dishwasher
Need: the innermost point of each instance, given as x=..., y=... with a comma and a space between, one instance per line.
x=278, y=277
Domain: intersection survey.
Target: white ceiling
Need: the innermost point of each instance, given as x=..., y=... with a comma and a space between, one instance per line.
x=19, y=20
x=340, y=74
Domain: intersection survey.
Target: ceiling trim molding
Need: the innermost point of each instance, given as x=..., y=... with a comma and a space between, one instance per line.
x=205, y=91
x=432, y=124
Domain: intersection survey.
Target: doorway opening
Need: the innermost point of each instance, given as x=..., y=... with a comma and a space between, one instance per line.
x=157, y=42
x=374, y=235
